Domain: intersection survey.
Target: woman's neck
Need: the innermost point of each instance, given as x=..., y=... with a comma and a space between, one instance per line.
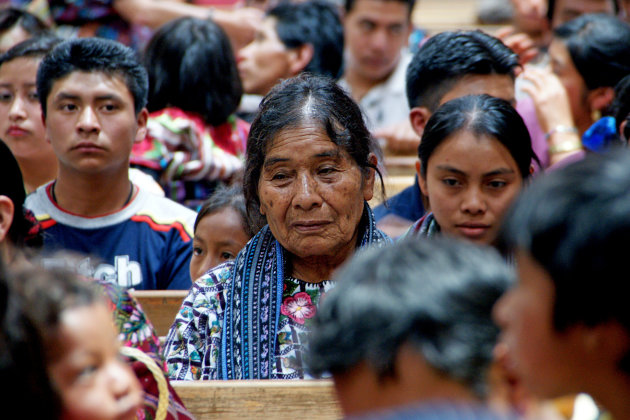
x=316, y=269
x=94, y=195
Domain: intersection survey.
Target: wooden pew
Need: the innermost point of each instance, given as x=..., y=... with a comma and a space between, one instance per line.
x=255, y=399
x=160, y=306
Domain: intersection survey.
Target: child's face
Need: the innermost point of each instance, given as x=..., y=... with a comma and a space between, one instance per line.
x=218, y=238
x=91, y=122
x=88, y=374
x=21, y=125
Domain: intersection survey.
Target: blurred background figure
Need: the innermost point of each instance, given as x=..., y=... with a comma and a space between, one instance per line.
x=194, y=141
x=376, y=34
x=58, y=347
x=21, y=124
x=589, y=56
x=387, y=337
x=294, y=37
x=17, y=25
x=132, y=22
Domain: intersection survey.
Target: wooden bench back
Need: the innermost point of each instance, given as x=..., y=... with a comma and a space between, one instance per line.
x=259, y=399
x=160, y=306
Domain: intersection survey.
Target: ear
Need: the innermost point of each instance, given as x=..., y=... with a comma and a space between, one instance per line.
x=607, y=342
x=6, y=216
x=299, y=58
x=422, y=181
x=141, y=120
x=419, y=117
x=368, y=182
x=600, y=98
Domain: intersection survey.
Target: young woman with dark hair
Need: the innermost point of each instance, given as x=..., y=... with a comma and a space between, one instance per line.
x=475, y=157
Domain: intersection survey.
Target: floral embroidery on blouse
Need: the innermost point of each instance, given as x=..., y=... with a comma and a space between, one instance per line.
x=298, y=307
x=194, y=341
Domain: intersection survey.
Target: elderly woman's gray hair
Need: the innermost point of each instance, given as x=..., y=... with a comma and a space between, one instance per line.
x=436, y=296
x=301, y=100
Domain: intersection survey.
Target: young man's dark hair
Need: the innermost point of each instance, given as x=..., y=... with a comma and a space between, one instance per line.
x=316, y=23
x=569, y=233
x=447, y=57
x=93, y=55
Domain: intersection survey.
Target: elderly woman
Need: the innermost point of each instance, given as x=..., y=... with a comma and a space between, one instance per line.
x=309, y=172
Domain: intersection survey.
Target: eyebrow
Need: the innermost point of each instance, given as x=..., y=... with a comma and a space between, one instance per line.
x=328, y=154
x=499, y=171
x=64, y=95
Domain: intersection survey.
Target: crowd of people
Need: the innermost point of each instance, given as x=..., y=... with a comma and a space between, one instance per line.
x=233, y=151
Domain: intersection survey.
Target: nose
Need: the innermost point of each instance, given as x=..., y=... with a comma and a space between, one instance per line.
x=473, y=201
x=88, y=121
x=379, y=40
x=242, y=54
x=306, y=195
x=17, y=111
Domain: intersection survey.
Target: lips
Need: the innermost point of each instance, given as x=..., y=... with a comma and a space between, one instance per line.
x=473, y=230
x=309, y=226
x=87, y=147
x=16, y=131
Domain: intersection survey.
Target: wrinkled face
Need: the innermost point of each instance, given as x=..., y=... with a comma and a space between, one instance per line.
x=91, y=122
x=21, y=125
x=562, y=65
x=88, y=374
x=312, y=193
x=497, y=85
x=265, y=61
x=375, y=31
x=219, y=237
x=546, y=361
x=470, y=182
x=566, y=10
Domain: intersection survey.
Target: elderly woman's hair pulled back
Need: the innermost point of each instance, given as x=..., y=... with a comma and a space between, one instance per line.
x=305, y=99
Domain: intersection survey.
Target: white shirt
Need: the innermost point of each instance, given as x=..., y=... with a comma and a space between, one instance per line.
x=386, y=103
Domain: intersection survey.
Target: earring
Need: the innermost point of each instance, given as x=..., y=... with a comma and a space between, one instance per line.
x=596, y=114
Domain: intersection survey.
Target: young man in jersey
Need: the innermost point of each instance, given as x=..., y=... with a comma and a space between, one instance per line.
x=93, y=95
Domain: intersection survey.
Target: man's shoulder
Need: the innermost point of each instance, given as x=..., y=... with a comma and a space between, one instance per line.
x=162, y=213
x=159, y=213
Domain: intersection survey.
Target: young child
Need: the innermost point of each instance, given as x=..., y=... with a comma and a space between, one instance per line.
x=21, y=125
x=221, y=230
x=93, y=94
x=194, y=141
x=59, y=348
